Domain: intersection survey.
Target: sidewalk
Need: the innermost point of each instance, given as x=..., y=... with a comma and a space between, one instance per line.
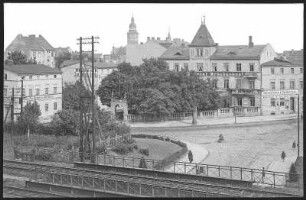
x=199, y=154
x=214, y=121
x=280, y=166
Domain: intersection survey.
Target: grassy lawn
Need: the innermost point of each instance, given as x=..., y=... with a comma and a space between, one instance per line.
x=158, y=149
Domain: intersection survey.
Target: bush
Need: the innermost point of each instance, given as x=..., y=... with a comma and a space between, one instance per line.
x=135, y=146
x=101, y=149
x=167, y=139
x=122, y=149
x=45, y=143
x=293, y=177
x=144, y=151
x=43, y=156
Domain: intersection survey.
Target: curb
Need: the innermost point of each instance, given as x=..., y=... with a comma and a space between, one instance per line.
x=214, y=125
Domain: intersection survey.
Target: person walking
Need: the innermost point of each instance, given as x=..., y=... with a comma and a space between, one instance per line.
x=283, y=156
x=263, y=174
x=190, y=156
x=293, y=145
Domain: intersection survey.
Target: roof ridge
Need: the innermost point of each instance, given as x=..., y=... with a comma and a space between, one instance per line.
x=202, y=37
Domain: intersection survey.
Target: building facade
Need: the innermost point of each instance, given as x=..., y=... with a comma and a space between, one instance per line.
x=283, y=84
x=35, y=48
x=234, y=70
x=40, y=83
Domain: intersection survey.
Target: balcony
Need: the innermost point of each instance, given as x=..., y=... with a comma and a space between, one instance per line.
x=244, y=92
x=250, y=75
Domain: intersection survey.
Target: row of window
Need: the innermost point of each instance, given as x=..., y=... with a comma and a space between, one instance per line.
x=225, y=67
x=252, y=101
x=31, y=91
x=31, y=77
x=199, y=52
x=282, y=85
x=47, y=106
x=281, y=70
x=251, y=83
x=39, y=53
x=281, y=102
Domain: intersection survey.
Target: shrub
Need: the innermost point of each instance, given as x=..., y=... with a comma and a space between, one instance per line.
x=122, y=149
x=101, y=149
x=293, y=177
x=167, y=139
x=144, y=151
x=135, y=146
x=45, y=143
x=43, y=156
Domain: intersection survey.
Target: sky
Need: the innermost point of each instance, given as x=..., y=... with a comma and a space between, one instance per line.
x=61, y=24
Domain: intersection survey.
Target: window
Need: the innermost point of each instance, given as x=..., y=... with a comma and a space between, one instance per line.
x=54, y=76
x=272, y=70
x=238, y=67
x=251, y=67
x=37, y=91
x=5, y=76
x=206, y=52
x=292, y=70
x=238, y=83
x=301, y=84
x=282, y=70
x=30, y=77
x=200, y=52
x=301, y=70
x=272, y=102
x=30, y=92
x=282, y=84
x=251, y=84
x=176, y=67
x=55, y=105
x=46, y=107
x=272, y=85
x=54, y=90
x=214, y=66
x=226, y=83
x=292, y=85
x=239, y=101
x=282, y=102
x=226, y=67
x=46, y=90
x=186, y=66
x=252, y=101
x=5, y=92
x=34, y=53
x=200, y=67
x=215, y=83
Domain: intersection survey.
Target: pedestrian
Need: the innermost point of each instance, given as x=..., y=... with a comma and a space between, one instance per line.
x=142, y=163
x=293, y=145
x=263, y=174
x=190, y=156
x=283, y=155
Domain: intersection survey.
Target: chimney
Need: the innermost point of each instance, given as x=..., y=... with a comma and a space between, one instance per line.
x=251, y=44
x=31, y=36
x=148, y=38
x=40, y=36
x=19, y=36
x=158, y=38
x=153, y=38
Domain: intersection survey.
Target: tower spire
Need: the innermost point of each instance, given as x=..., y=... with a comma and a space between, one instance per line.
x=203, y=19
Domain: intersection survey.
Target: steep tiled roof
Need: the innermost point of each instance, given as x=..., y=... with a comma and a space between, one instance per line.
x=238, y=52
x=203, y=38
x=176, y=53
x=69, y=62
x=30, y=43
x=31, y=69
x=165, y=44
x=296, y=57
x=278, y=62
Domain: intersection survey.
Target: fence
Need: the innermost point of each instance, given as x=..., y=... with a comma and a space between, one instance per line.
x=222, y=112
x=273, y=179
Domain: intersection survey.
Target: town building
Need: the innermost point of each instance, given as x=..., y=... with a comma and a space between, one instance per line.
x=71, y=73
x=234, y=70
x=40, y=83
x=283, y=84
x=61, y=50
x=35, y=48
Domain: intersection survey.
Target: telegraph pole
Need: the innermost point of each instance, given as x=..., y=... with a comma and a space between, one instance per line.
x=12, y=108
x=21, y=98
x=298, y=116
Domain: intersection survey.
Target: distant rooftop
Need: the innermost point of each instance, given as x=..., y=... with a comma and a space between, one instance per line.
x=295, y=56
x=238, y=52
x=176, y=53
x=281, y=61
x=31, y=69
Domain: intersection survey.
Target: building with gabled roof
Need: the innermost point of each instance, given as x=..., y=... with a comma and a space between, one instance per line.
x=41, y=83
x=35, y=48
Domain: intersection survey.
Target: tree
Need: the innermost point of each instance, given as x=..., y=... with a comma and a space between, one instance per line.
x=293, y=177
x=19, y=58
x=30, y=116
x=61, y=58
x=153, y=89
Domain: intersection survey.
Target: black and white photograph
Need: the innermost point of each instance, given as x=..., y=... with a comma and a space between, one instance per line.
x=167, y=100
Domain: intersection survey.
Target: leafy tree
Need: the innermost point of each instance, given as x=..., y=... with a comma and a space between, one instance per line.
x=30, y=115
x=66, y=122
x=19, y=58
x=61, y=58
x=153, y=89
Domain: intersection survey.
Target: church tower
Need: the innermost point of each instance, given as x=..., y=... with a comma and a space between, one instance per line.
x=132, y=35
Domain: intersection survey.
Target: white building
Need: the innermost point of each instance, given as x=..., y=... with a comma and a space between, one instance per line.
x=40, y=83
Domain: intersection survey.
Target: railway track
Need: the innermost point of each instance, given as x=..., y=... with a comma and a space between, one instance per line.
x=18, y=192
x=22, y=168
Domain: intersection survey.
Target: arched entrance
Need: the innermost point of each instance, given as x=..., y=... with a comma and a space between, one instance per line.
x=119, y=109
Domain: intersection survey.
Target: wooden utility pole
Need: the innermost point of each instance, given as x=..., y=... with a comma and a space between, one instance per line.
x=81, y=149
x=12, y=108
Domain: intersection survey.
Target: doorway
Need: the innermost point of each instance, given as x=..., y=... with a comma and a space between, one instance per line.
x=292, y=103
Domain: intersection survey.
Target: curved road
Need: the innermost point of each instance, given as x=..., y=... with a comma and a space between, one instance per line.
x=253, y=145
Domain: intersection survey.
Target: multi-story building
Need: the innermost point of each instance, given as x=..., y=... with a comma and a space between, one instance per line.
x=71, y=73
x=234, y=70
x=40, y=83
x=283, y=84
x=35, y=48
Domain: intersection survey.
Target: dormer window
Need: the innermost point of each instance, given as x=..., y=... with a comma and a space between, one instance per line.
x=177, y=54
x=214, y=66
x=231, y=53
